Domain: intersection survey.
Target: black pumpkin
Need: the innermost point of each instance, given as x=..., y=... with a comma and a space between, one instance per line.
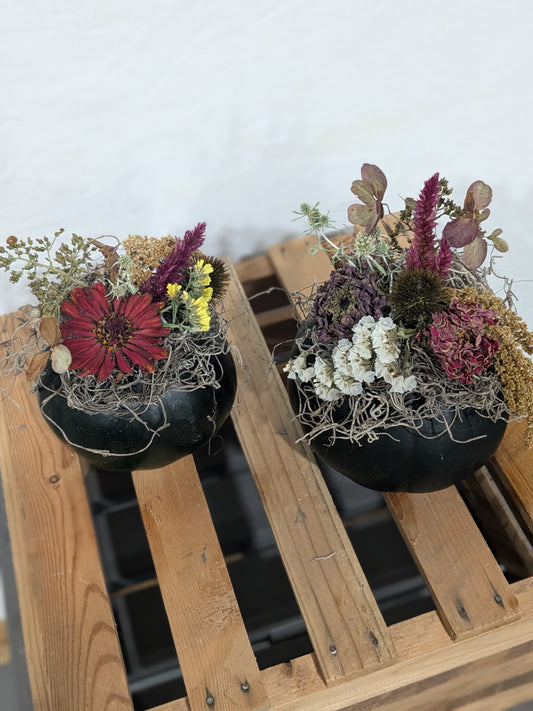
x=434, y=457
x=192, y=419
x=437, y=455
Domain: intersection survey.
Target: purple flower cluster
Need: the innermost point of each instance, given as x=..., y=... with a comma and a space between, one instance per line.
x=457, y=339
x=349, y=294
x=170, y=271
x=422, y=253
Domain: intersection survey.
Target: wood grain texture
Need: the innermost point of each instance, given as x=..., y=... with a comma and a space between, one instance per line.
x=512, y=465
x=73, y=654
x=498, y=521
x=345, y=626
x=213, y=649
x=5, y=653
x=432, y=672
x=297, y=269
x=461, y=572
x=465, y=581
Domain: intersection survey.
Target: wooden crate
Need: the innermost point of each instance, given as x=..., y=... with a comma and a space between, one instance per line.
x=475, y=651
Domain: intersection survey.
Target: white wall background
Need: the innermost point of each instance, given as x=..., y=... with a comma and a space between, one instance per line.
x=120, y=116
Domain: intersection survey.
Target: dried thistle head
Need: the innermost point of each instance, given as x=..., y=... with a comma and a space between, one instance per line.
x=417, y=294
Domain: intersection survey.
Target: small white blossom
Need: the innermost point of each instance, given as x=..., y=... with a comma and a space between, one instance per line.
x=324, y=372
x=399, y=383
x=326, y=393
x=362, y=337
x=347, y=385
x=298, y=368
x=373, y=352
x=385, y=340
x=340, y=357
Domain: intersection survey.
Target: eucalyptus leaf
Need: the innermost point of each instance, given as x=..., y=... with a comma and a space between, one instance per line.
x=61, y=358
x=499, y=244
x=36, y=364
x=360, y=214
x=361, y=190
x=478, y=196
x=461, y=231
x=49, y=330
x=375, y=179
x=474, y=253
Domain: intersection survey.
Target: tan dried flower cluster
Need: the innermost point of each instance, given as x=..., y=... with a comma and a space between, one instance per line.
x=514, y=368
x=147, y=253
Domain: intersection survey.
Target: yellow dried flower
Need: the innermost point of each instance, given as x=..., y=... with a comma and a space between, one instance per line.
x=202, y=313
x=173, y=290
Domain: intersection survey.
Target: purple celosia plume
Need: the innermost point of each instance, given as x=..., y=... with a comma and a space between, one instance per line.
x=170, y=270
x=444, y=258
x=422, y=253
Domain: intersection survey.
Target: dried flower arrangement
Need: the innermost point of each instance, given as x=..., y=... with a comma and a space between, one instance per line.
x=407, y=326
x=117, y=322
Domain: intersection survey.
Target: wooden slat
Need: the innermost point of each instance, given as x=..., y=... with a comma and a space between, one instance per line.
x=499, y=523
x=5, y=654
x=215, y=655
x=513, y=467
x=297, y=269
x=432, y=673
x=460, y=571
x=254, y=268
x=73, y=654
x=467, y=585
x=345, y=626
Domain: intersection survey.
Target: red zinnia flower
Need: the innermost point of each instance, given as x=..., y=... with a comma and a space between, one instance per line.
x=103, y=333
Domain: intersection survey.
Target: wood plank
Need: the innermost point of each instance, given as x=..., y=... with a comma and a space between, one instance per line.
x=432, y=671
x=438, y=529
x=215, y=655
x=5, y=653
x=500, y=526
x=512, y=466
x=297, y=269
x=253, y=268
x=344, y=623
x=465, y=581
x=73, y=654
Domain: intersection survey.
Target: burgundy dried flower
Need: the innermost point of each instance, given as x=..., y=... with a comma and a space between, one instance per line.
x=422, y=253
x=349, y=294
x=170, y=271
x=457, y=339
x=102, y=334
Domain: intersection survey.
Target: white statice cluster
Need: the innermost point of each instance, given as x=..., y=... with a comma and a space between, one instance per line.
x=373, y=352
